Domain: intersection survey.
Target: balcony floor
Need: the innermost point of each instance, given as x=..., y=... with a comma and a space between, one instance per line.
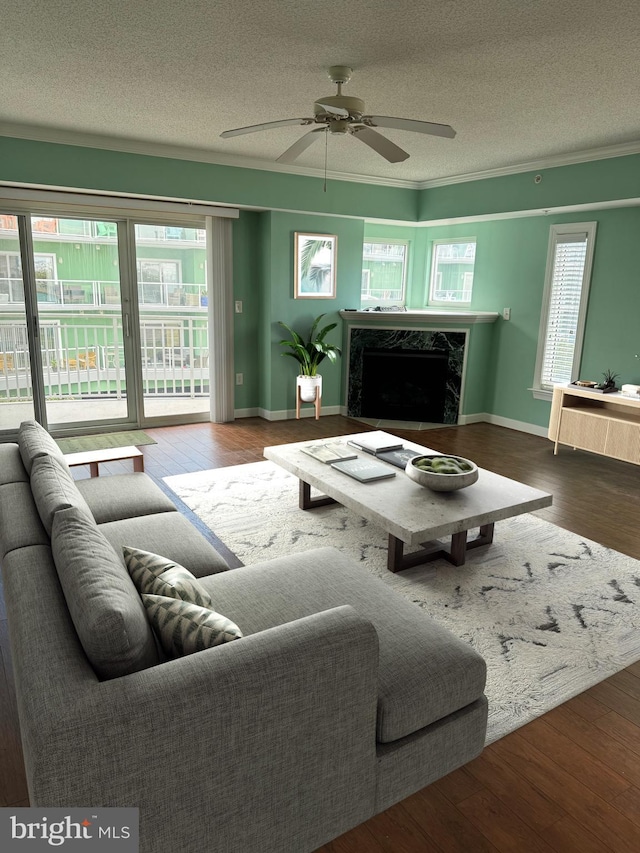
x=85, y=411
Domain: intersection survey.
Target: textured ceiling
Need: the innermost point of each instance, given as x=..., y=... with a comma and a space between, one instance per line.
x=518, y=82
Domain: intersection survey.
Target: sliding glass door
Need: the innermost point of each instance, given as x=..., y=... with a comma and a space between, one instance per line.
x=16, y=386
x=173, y=319
x=80, y=309
x=102, y=321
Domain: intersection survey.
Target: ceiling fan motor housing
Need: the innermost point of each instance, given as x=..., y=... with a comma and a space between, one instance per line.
x=354, y=106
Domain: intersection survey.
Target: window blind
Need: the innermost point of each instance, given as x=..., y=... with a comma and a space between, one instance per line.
x=569, y=260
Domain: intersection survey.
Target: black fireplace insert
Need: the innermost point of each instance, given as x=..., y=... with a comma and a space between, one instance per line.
x=404, y=384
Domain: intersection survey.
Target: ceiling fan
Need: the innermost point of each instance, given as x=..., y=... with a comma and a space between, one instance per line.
x=342, y=114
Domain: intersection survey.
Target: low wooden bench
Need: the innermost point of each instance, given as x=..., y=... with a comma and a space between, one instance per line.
x=93, y=458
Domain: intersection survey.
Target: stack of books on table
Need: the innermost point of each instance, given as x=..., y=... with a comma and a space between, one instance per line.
x=329, y=451
x=364, y=470
x=385, y=447
x=376, y=443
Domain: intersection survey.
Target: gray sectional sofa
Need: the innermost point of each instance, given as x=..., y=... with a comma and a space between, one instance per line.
x=341, y=698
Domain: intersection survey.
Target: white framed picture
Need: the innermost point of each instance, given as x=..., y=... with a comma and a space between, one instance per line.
x=315, y=266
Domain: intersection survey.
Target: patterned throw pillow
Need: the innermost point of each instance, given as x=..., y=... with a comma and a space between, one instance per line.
x=158, y=575
x=184, y=628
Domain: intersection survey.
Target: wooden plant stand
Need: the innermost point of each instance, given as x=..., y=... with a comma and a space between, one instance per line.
x=317, y=402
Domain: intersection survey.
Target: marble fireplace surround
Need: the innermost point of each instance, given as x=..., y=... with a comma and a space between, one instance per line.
x=411, y=330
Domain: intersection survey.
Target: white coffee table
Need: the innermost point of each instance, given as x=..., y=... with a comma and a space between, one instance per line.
x=411, y=514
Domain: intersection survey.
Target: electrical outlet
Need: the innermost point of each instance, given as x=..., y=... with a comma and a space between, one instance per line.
x=239, y=379
x=239, y=311
x=506, y=313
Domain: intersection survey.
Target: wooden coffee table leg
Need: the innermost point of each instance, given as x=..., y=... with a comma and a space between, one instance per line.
x=305, y=501
x=397, y=560
x=458, y=551
x=484, y=537
x=460, y=544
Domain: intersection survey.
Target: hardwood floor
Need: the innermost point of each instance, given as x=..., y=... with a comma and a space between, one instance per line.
x=567, y=782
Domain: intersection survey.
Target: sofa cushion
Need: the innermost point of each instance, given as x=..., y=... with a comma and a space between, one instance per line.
x=34, y=441
x=20, y=523
x=54, y=489
x=123, y=496
x=184, y=628
x=425, y=672
x=167, y=533
x=156, y=575
x=12, y=469
x=105, y=607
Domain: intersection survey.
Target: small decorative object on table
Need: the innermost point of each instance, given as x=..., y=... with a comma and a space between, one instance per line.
x=442, y=473
x=607, y=386
x=609, y=382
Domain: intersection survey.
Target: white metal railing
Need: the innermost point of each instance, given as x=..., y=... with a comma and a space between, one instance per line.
x=49, y=227
x=88, y=293
x=384, y=251
x=88, y=360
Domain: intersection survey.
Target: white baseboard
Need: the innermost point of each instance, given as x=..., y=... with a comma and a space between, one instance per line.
x=476, y=418
x=289, y=414
x=521, y=426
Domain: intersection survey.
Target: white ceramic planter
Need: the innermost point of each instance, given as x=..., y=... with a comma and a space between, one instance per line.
x=309, y=386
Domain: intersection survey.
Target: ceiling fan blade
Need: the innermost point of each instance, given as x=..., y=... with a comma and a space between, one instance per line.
x=269, y=125
x=336, y=111
x=383, y=146
x=300, y=145
x=410, y=124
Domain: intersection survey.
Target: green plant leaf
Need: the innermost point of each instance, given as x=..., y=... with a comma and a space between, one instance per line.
x=310, y=353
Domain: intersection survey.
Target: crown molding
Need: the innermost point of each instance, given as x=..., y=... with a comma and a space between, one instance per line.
x=203, y=155
x=623, y=150
x=179, y=152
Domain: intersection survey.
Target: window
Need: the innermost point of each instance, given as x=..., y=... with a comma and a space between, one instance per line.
x=11, y=287
x=384, y=272
x=564, y=304
x=155, y=280
x=452, y=264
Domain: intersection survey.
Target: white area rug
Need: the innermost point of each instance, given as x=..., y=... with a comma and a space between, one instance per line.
x=552, y=613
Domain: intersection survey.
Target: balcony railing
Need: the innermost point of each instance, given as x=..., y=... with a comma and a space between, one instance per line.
x=89, y=361
x=76, y=293
x=49, y=227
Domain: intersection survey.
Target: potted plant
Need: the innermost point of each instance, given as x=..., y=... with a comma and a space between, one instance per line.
x=309, y=354
x=609, y=381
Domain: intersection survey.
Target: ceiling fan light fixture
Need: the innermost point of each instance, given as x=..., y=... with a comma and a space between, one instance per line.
x=340, y=105
x=339, y=126
x=341, y=114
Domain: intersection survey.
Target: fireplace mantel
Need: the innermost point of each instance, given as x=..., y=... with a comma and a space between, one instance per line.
x=428, y=315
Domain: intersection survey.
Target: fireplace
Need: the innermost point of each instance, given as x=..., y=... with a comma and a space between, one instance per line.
x=414, y=354
x=404, y=384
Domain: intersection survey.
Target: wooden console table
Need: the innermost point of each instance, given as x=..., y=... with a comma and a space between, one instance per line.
x=608, y=424
x=93, y=458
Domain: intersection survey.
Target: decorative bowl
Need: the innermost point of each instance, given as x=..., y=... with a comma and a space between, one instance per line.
x=440, y=481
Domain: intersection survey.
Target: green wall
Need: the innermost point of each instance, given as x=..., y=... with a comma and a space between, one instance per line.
x=582, y=183
x=278, y=373
x=247, y=278
x=510, y=267
x=55, y=165
x=509, y=271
